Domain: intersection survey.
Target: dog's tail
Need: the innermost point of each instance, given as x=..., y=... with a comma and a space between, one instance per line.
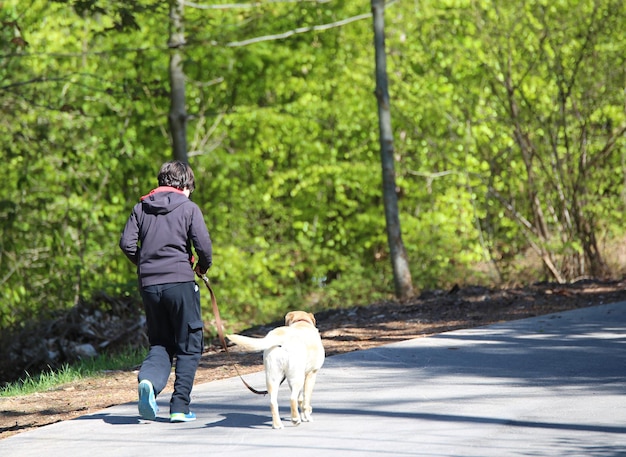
x=250, y=344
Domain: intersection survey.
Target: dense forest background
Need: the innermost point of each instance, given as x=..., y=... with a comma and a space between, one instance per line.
x=509, y=121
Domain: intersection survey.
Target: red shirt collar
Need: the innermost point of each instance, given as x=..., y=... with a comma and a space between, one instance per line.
x=162, y=189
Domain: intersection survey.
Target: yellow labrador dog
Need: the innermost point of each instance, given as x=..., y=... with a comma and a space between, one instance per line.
x=293, y=352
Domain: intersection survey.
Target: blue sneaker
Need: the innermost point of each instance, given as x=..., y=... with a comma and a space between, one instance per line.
x=147, y=402
x=182, y=417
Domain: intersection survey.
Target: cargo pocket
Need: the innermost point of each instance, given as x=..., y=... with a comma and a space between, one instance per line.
x=195, y=337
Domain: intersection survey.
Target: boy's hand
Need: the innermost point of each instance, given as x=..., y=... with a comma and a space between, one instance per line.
x=199, y=271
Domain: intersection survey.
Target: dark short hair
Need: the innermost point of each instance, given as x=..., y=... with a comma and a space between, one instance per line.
x=177, y=174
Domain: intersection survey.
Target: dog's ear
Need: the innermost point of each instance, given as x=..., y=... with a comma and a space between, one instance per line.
x=294, y=316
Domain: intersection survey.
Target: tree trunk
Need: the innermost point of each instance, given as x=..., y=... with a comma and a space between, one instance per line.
x=399, y=258
x=178, y=112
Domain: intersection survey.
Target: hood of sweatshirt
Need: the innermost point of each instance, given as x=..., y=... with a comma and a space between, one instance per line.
x=163, y=200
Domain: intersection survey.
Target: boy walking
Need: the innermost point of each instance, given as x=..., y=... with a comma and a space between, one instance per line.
x=158, y=239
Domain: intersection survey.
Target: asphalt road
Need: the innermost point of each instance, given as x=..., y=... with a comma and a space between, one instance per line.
x=547, y=386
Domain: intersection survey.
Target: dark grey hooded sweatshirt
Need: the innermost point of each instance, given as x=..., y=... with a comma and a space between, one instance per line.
x=159, y=234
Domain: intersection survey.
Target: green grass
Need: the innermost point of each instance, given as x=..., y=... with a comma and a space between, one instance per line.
x=88, y=368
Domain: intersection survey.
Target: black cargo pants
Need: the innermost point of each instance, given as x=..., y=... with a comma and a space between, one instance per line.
x=175, y=333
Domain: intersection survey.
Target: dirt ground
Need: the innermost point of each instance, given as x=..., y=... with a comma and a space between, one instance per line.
x=342, y=331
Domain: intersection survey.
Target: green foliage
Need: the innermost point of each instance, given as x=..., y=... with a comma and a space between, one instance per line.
x=516, y=110
x=283, y=137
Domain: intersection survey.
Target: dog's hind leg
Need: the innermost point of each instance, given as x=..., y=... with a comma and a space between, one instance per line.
x=273, y=385
x=296, y=386
x=307, y=393
x=276, y=422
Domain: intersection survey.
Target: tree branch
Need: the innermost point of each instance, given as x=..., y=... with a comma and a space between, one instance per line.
x=246, y=5
x=287, y=34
